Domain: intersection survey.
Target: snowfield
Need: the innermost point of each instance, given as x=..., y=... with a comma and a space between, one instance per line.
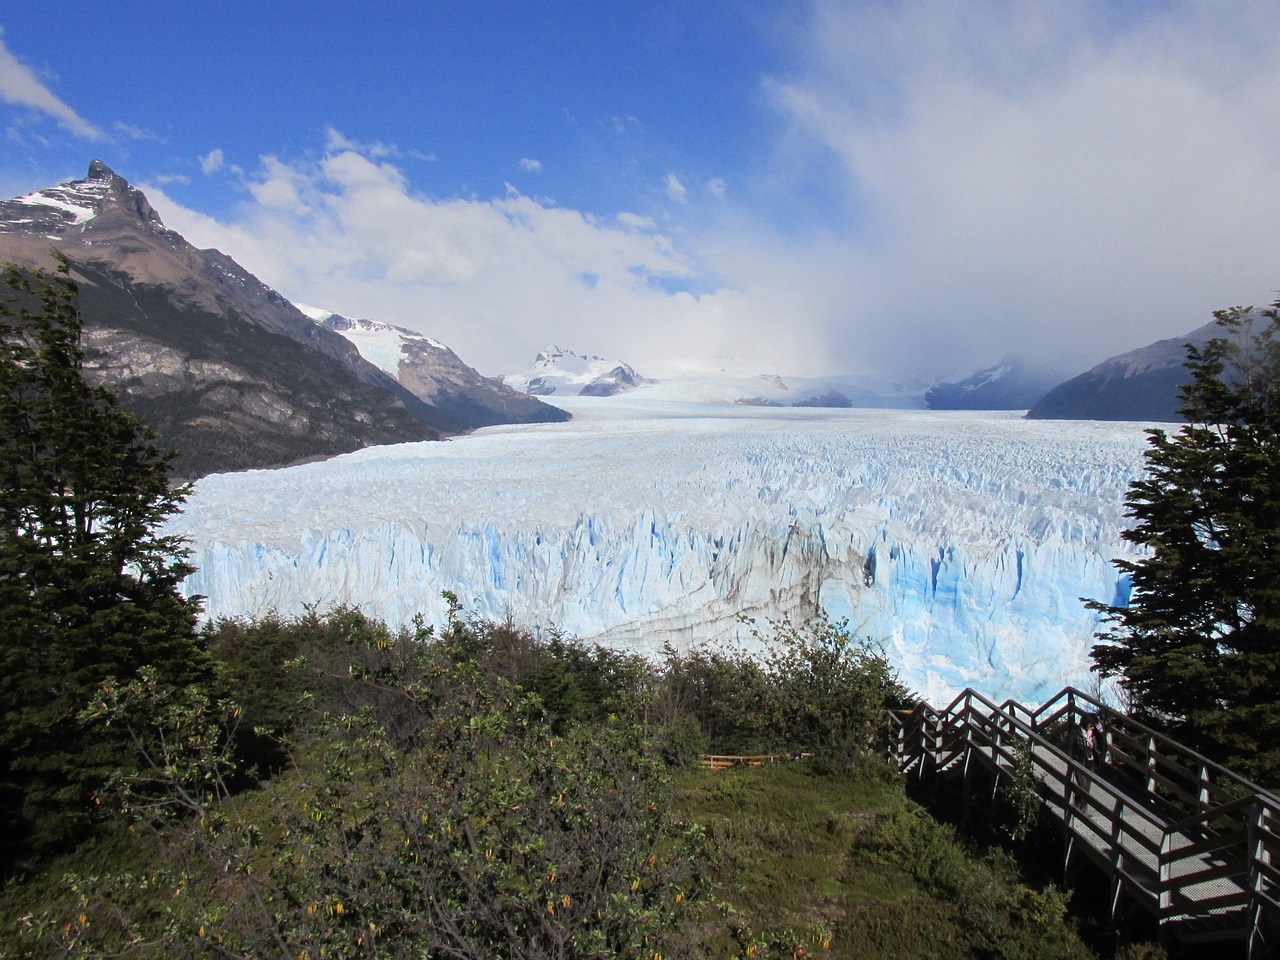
x=962, y=541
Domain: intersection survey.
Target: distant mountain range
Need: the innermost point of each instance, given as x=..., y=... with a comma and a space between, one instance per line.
x=234, y=376
x=564, y=373
x=1141, y=385
x=225, y=369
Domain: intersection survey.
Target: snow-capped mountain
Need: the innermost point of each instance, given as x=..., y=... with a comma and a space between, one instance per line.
x=52, y=210
x=223, y=367
x=226, y=370
x=563, y=373
x=1011, y=384
x=462, y=398
x=963, y=541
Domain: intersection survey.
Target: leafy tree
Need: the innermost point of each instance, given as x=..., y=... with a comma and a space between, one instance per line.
x=813, y=688
x=87, y=583
x=1198, y=646
x=829, y=690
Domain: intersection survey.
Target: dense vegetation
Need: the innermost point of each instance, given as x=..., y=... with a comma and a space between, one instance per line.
x=1197, y=648
x=482, y=793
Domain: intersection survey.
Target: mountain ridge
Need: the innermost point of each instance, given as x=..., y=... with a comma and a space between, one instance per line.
x=1141, y=384
x=227, y=370
x=461, y=396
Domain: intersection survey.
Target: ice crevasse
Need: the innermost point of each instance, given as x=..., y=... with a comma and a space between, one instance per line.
x=962, y=542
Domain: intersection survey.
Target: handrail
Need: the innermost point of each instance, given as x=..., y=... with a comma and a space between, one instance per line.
x=1228, y=849
x=1244, y=803
x=1125, y=720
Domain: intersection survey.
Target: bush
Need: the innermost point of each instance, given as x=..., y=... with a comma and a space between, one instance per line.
x=438, y=814
x=814, y=689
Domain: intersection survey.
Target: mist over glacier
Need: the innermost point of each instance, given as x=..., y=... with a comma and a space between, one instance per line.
x=961, y=541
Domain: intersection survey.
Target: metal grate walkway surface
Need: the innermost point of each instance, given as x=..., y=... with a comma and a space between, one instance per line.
x=1187, y=840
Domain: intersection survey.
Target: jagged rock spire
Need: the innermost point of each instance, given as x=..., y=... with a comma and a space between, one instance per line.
x=100, y=171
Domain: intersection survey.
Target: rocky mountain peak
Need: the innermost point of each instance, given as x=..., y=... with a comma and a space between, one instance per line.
x=77, y=205
x=100, y=171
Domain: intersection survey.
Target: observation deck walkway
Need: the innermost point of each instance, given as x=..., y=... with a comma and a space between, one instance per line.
x=1185, y=839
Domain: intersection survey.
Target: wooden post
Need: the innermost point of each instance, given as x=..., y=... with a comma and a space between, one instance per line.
x=997, y=743
x=1117, y=856
x=1165, y=890
x=966, y=808
x=1255, y=948
x=936, y=750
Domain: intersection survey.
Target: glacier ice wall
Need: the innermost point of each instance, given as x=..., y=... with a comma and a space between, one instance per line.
x=962, y=542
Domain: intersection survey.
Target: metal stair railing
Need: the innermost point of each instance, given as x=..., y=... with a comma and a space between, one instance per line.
x=1188, y=840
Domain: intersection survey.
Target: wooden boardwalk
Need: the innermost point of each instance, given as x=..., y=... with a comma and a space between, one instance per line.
x=1186, y=840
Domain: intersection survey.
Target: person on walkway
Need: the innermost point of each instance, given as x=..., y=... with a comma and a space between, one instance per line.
x=1079, y=751
x=1098, y=745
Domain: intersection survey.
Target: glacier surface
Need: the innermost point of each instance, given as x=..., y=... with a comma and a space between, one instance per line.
x=961, y=541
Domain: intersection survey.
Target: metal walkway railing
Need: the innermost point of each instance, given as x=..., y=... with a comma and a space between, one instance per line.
x=1185, y=839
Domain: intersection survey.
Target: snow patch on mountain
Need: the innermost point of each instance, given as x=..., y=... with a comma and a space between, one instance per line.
x=963, y=542
x=1011, y=384
x=382, y=344
x=72, y=204
x=562, y=373
x=79, y=212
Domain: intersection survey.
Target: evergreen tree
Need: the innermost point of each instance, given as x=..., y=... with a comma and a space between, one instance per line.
x=87, y=584
x=1198, y=646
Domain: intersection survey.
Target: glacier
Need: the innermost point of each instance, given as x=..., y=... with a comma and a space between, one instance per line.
x=962, y=542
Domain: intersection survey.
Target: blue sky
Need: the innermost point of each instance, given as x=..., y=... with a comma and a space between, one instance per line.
x=901, y=190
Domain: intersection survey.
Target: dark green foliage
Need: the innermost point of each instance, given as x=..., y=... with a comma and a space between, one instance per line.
x=579, y=682
x=1198, y=646
x=721, y=692
x=814, y=689
x=439, y=817
x=87, y=583
x=429, y=807
x=829, y=691
x=970, y=906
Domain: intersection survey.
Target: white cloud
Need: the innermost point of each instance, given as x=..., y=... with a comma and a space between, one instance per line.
x=336, y=142
x=212, y=161
x=676, y=190
x=20, y=85
x=1062, y=177
x=134, y=132
x=532, y=166
x=948, y=183
x=634, y=221
x=497, y=279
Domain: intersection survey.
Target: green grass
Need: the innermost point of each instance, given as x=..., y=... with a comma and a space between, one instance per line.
x=806, y=863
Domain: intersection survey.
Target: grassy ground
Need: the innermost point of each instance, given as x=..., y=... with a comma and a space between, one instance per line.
x=807, y=863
